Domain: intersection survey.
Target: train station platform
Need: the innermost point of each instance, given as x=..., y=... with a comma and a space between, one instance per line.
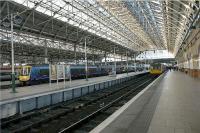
x=42, y=88
x=37, y=96
x=168, y=105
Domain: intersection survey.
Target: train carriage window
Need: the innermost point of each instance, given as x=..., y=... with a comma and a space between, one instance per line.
x=44, y=72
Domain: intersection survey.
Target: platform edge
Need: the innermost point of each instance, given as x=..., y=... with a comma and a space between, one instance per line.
x=111, y=118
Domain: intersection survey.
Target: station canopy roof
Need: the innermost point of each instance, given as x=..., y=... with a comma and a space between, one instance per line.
x=127, y=26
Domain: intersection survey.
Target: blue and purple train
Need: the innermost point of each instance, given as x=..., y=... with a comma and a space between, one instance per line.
x=36, y=74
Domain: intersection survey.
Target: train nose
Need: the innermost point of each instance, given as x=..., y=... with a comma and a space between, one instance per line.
x=24, y=78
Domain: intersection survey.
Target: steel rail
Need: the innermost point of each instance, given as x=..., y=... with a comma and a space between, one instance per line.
x=101, y=109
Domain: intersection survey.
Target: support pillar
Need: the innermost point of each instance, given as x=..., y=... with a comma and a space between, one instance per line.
x=131, y=60
x=75, y=54
x=126, y=62
x=46, y=56
x=115, y=73
x=86, y=65
x=105, y=57
x=145, y=60
x=12, y=57
x=135, y=65
x=93, y=60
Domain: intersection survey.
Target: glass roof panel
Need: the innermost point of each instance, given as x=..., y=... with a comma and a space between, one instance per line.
x=162, y=23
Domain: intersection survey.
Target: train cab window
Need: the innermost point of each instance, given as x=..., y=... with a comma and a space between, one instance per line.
x=25, y=71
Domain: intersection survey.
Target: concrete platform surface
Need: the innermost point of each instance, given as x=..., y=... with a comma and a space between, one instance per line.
x=2, y=83
x=168, y=106
x=5, y=94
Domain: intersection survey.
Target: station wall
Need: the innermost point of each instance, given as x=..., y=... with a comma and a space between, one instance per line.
x=189, y=60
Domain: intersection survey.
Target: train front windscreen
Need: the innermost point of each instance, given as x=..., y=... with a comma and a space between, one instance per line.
x=25, y=71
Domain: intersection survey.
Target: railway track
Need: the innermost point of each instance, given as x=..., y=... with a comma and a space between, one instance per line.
x=78, y=115
x=91, y=121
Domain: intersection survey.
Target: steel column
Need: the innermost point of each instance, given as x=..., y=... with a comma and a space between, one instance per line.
x=12, y=57
x=86, y=65
x=115, y=63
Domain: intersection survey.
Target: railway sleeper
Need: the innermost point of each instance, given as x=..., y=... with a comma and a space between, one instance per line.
x=37, y=121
